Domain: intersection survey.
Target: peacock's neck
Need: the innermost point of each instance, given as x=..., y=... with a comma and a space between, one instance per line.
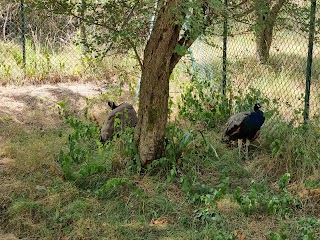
x=259, y=112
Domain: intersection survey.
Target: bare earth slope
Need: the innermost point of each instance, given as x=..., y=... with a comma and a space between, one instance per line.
x=36, y=106
x=16, y=101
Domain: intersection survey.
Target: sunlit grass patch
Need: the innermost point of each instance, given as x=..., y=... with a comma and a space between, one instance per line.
x=67, y=64
x=282, y=79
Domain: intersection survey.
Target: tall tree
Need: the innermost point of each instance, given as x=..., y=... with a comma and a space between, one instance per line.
x=266, y=13
x=178, y=23
x=263, y=21
x=168, y=42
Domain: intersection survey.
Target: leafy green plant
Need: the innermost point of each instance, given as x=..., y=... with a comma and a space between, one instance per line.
x=208, y=195
x=178, y=145
x=82, y=143
x=244, y=101
x=87, y=161
x=203, y=101
x=278, y=236
x=130, y=149
x=303, y=228
x=250, y=202
x=259, y=196
x=206, y=215
x=307, y=228
x=113, y=187
x=289, y=150
x=178, y=165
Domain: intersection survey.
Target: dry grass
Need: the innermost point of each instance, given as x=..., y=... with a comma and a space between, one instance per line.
x=283, y=79
x=36, y=201
x=45, y=65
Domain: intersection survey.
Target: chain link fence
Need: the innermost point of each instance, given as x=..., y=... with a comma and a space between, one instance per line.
x=41, y=46
x=284, y=80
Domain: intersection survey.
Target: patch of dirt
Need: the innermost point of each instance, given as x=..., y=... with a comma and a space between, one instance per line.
x=8, y=237
x=15, y=100
x=36, y=106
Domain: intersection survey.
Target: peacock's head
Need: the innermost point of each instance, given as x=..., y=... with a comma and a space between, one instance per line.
x=257, y=106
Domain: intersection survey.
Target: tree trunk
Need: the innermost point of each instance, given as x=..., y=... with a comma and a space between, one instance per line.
x=263, y=41
x=154, y=90
x=266, y=16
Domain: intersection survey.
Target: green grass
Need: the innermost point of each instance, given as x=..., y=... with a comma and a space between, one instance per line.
x=200, y=190
x=192, y=202
x=46, y=65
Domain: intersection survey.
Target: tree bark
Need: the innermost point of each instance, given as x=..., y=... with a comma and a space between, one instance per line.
x=264, y=33
x=154, y=90
x=266, y=16
x=160, y=59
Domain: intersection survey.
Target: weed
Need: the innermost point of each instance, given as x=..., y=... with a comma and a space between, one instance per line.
x=249, y=202
x=293, y=149
x=88, y=162
x=206, y=215
x=208, y=195
x=113, y=187
x=307, y=228
x=303, y=228
x=178, y=144
x=283, y=235
x=259, y=197
x=203, y=101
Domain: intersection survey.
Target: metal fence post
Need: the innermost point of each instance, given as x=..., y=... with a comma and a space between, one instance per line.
x=193, y=61
x=224, y=54
x=309, y=60
x=23, y=31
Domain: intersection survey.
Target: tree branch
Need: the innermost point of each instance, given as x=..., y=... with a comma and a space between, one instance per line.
x=237, y=5
x=69, y=12
x=185, y=41
x=239, y=15
x=188, y=37
x=136, y=53
x=276, y=8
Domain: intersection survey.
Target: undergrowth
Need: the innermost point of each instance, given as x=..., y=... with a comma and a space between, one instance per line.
x=293, y=149
x=203, y=101
x=190, y=159
x=199, y=189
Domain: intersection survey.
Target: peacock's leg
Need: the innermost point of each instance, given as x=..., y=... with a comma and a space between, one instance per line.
x=239, y=146
x=247, y=148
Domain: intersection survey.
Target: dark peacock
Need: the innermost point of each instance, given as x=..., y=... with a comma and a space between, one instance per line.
x=244, y=127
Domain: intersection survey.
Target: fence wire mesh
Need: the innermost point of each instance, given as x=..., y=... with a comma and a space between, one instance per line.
x=39, y=45
x=282, y=79
x=52, y=54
